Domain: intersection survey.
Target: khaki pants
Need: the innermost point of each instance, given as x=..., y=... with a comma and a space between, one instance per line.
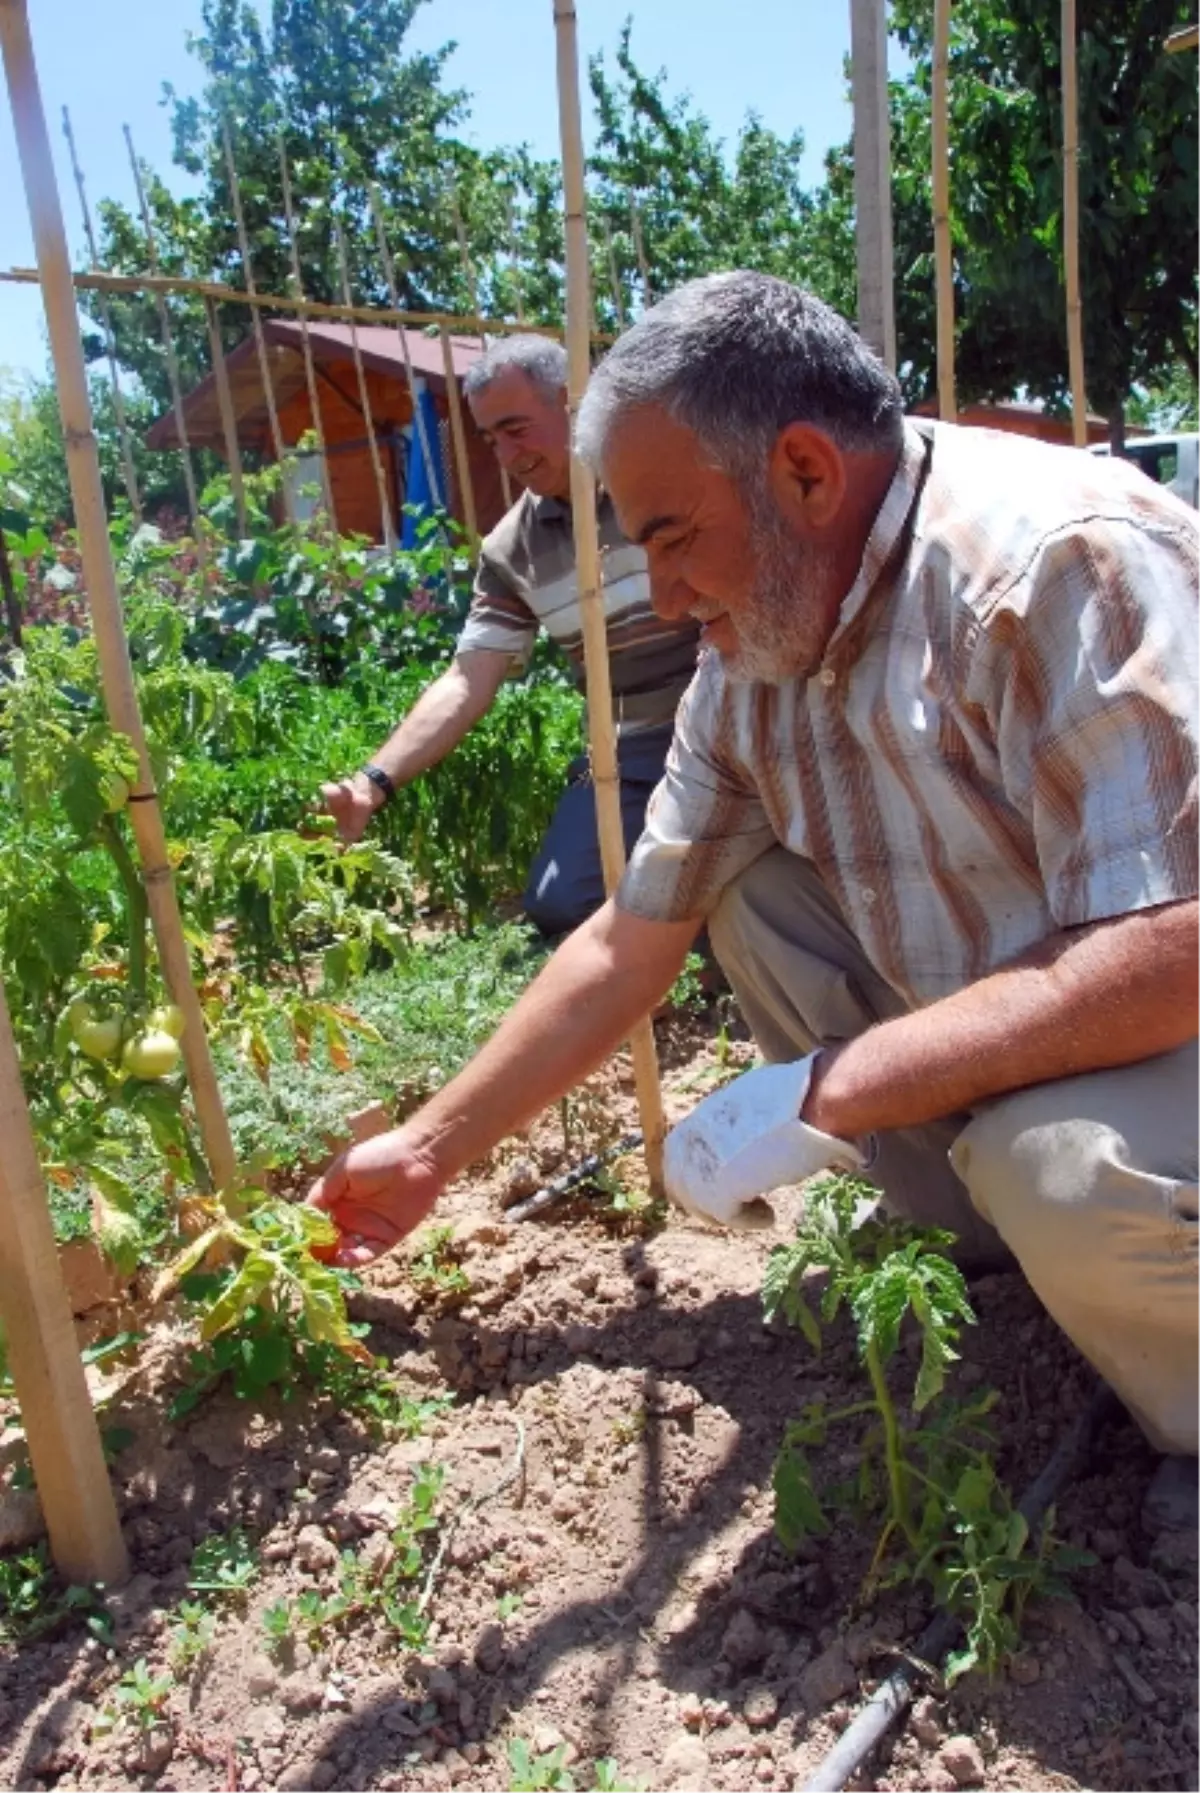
x=1090, y=1182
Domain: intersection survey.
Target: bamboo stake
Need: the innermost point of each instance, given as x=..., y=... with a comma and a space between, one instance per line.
x=168, y=339
x=473, y=296
x=8, y=590
x=87, y=492
x=310, y=372
x=1070, y=120
x=639, y=249
x=942, y=246
x=458, y=435
x=873, y=178
x=514, y=258
x=110, y=342
x=613, y=275
x=56, y=1408
x=260, y=341
x=233, y=453
x=389, y=274
x=385, y=507
x=310, y=308
x=602, y=736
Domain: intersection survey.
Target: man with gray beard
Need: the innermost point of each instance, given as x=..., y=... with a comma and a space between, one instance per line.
x=933, y=791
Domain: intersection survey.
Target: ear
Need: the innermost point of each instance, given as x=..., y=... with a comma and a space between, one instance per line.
x=806, y=472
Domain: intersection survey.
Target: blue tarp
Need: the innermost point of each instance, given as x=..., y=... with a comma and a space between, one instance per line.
x=420, y=501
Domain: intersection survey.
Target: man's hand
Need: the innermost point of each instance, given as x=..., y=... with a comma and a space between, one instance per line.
x=351, y=802
x=375, y=1193
x=745, y=1140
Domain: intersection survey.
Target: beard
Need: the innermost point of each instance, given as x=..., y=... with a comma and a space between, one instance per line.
x=790, y=611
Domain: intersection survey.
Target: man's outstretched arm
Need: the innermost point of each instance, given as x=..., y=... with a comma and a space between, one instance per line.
x=603, y=979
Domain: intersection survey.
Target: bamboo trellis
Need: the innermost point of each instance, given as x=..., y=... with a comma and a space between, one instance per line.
x=942, y=244
x=389, y=275
x=614, y=275
x=129, y=471
x=1070, y=122
x=310, y=372
x=589, y=581
x=473, y=295
x=168, y=336
x=364, y=397
x=233, y=453
x=458, y=437
x=260, y=341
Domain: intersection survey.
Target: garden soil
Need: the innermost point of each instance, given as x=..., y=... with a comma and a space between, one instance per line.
x=612, y=1587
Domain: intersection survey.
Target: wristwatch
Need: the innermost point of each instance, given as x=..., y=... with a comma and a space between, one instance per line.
x=380, y=780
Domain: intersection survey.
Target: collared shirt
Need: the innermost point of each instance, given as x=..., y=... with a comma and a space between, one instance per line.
x=526, y=580
x=1000, y=741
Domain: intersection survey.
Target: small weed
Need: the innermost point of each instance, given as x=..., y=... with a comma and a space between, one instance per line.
x=947, y=1518
x=224, y=1563
x=140, y=1697
x=606, y=1777
x=192, y=1635
x=33, y=1600
x=435, y=1268
x=531, y=1773
x=278, y=1623
x=631, y=1427
x=508, y=1605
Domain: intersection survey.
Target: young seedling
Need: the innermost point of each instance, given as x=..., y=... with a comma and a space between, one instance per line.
x=224, y=1563
x=508, y=1605
x=192, y=1635
x=278, y=1623
x=531, y=1773
x=435, y=1268
x=947, y=1519
x=141, y=1698
x=606, y=1777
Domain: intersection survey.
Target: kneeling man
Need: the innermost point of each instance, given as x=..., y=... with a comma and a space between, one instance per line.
x=933, y=789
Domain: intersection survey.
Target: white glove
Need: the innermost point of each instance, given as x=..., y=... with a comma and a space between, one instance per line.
x=747, y=1139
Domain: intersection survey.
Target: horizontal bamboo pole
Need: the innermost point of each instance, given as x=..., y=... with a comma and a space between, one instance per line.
x=100, y=578
x=361, y=314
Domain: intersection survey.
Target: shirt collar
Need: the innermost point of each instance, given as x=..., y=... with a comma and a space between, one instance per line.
x=890, y=522
x=559, y=509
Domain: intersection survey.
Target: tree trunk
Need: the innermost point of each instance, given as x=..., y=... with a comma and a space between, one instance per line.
x=1116, y=429
x=12, y=609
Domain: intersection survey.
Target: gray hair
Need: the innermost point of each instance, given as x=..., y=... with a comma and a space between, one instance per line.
x=735, y=358
x=539, y=358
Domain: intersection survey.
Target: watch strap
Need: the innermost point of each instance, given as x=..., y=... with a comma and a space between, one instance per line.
x=380, y=780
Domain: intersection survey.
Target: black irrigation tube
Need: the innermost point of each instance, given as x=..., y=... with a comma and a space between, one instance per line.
x=893, y=1696
x=544, y=1198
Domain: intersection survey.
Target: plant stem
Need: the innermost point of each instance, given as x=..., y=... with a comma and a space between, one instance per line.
x=135, y=897
x=893, y=1456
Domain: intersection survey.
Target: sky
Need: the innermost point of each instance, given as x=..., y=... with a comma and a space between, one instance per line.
x=784, y=60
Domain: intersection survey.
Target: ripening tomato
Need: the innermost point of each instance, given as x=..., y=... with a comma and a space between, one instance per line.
x=151, y=1054
x=166, y=1018
x=98, y=1036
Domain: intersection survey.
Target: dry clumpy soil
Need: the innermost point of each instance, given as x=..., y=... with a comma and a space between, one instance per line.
x=623, y=1596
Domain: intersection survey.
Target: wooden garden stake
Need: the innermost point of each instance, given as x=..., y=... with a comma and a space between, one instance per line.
x=389, y=274
x=473, y=296
x=1070, y=120
x=260, y=341
x=602, y=735
x=168, y=339
x=364, y=398
x=110, y=344
x=458, y=435
x=47, y=1370
x=310, y=372
x=233, y=453
x=942, y=246
x=872, y=178
x=87, y=492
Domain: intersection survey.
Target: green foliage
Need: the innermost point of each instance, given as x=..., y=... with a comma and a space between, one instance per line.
x=140, y=1698
x=224, y=1563
x=947, y=1519
x=434, y=1266
x=192, y=1635
x=530, y=1772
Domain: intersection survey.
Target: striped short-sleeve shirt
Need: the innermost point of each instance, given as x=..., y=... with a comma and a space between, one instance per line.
x=1001, y=739
x=526, y=581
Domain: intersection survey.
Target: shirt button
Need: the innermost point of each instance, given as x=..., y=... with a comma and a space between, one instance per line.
x=828, y=676
x=868, y=895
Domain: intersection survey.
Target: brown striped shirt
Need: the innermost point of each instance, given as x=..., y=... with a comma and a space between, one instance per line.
x=1001, y=739
x=526, y=581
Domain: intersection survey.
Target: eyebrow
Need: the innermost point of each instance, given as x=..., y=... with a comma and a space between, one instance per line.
x=503, y=423
x=654, y=527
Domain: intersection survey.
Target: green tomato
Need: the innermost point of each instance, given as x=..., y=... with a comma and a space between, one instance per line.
x=77, y=1011
x=114, y=792
x=99, y=1036
x=151, y=1054
x=166, y=1018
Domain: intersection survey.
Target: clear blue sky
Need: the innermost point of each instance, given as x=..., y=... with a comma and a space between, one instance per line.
x=782, y=58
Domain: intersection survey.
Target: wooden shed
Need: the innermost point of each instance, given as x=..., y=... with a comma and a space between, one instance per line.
x=355, y=495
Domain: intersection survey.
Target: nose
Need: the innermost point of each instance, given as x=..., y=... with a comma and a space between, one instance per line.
x=670, y=596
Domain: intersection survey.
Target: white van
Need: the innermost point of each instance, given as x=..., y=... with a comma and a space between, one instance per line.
x=1174, y=461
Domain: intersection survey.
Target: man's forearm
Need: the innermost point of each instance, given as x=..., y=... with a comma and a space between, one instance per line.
x=1083, y=1001
x=601, y=981
x=445, y=712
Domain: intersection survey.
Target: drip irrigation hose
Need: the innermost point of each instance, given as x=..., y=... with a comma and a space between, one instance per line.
x=544, y=1198
x=893, y=1696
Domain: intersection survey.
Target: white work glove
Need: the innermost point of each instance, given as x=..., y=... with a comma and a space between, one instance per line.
x=747, y=1139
